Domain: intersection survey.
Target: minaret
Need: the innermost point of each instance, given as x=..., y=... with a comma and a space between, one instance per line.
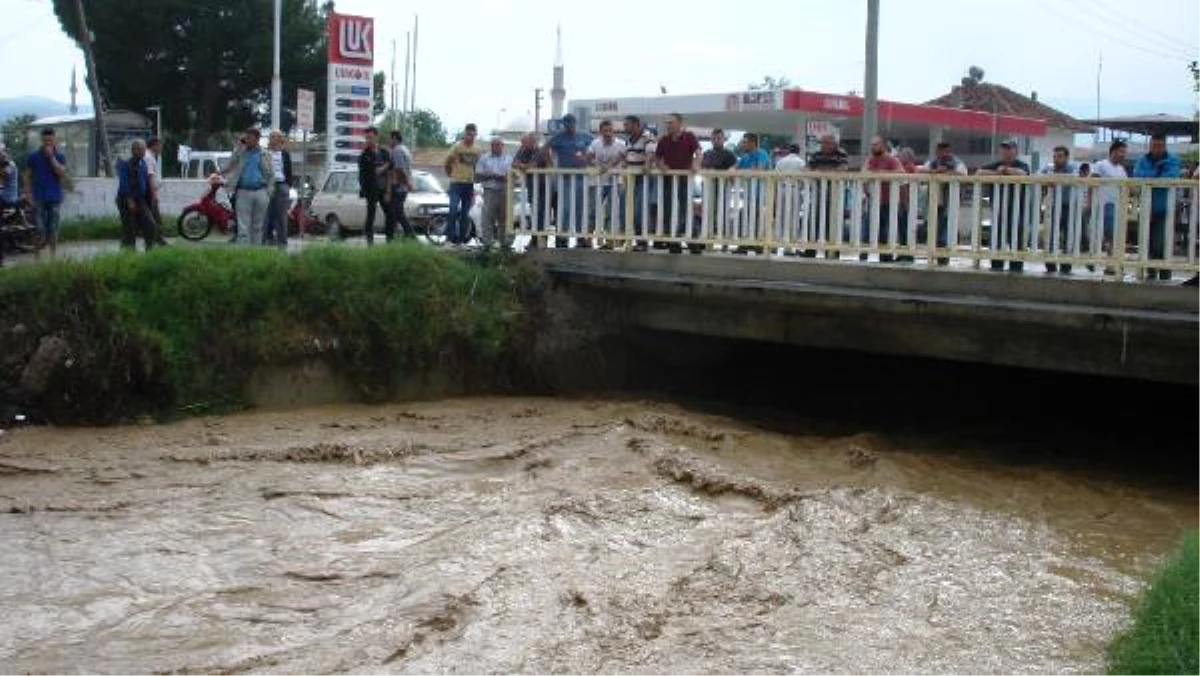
x=74, y=91
x=558, y=95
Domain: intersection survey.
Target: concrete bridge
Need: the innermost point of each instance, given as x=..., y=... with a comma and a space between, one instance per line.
x=1120, y=312
x=1141, y=331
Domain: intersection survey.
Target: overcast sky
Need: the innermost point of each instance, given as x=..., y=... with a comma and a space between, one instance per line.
x=480, y=60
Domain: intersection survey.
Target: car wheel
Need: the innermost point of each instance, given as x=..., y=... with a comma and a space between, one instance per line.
x=334, y=226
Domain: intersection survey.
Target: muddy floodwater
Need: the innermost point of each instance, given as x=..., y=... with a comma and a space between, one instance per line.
x=555, y=535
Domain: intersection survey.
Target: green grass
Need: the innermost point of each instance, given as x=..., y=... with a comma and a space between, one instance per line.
x=1165, y=634
x=183, y=329
x=85, y=229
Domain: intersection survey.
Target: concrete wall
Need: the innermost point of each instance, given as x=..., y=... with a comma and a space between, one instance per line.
x=96, y=197
x=1145, y=332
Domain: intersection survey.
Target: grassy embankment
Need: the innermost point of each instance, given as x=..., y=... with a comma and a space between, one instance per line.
x=1165, y=634
x=183, y=330
x=89, y=229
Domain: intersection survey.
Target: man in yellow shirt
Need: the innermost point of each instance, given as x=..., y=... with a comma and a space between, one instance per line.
x=460, y=167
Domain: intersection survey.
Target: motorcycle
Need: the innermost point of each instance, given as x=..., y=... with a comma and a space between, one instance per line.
x=302, y=220
x=198, y=218
x=18, y=234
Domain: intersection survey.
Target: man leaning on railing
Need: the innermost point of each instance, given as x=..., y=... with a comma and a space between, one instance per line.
x=944, y=163
x=1158, y=163
x=1008, y=207
x=678, y=150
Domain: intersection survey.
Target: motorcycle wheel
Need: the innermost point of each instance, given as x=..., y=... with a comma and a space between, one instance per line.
x=194, y=225
x=25, y=239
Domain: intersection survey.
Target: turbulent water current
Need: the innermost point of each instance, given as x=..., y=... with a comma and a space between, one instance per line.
x=556, y=535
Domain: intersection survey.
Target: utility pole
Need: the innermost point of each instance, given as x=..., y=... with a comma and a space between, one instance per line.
x=870, y=125
x=85, y=41
x=276, y=81
x=537, y=110
x=392, y=86
x=407, y=70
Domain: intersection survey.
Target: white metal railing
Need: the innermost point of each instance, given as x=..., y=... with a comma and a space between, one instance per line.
x=1118, y=225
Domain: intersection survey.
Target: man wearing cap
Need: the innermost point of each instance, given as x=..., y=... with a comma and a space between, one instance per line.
x=791, y=162
x=249, y=171
x=569, y=149
x=1008, y=206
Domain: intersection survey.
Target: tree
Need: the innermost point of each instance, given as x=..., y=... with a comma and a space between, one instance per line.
x=422, y=128
x=208, y=64
x=770, y=84
x=16, y=139
x=380, y=81
x=974, y=76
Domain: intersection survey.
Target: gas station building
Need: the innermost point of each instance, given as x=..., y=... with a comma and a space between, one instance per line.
x=805, y=116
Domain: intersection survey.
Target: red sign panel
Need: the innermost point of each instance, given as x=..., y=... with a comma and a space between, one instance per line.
x=351, y=39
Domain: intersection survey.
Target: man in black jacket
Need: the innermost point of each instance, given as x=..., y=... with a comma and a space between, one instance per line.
x=374, y=165
x=281, y=165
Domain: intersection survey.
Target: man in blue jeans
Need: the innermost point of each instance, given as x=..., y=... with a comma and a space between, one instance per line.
x=460, y=167
x=45, y=172
x=569, y=149
x=1158, y=163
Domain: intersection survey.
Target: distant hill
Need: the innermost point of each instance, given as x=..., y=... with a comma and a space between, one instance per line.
x=37, y=105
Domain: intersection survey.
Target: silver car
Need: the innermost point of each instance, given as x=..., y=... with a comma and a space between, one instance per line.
x=344, y=212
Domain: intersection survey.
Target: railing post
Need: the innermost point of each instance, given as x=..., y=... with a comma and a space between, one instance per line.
x=977, y=224
x=769, y=216
x=1146, y=196
x=933, y=220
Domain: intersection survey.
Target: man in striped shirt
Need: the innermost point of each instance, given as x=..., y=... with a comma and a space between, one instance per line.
x=638, y=149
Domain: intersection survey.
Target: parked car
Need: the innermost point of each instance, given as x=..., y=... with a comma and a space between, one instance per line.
x=345, y=213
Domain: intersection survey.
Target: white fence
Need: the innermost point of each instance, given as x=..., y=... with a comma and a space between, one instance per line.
x=96, y=197
x=1148, y=227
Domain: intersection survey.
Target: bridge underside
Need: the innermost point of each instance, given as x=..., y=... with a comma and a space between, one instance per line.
x=1145, y=332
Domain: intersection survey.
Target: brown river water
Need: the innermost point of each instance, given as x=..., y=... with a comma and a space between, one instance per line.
x=556, y=535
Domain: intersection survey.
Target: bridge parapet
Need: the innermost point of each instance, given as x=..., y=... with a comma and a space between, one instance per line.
x=1128, y=229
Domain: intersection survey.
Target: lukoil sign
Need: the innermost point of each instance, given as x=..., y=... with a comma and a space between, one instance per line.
x=351, y=87
x=351, y=39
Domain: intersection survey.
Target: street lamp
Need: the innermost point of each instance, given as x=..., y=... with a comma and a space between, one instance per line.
x=157, y=118
x=276, y=83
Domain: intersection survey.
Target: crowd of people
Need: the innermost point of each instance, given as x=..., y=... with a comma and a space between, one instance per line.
x=259, y=180
x=559, y=200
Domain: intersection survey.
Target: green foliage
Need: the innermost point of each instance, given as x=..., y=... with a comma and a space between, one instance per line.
x=422, y=128
x=380, y=86
x=770, y=84
x=183, y=329
x=1164, y=637
x=89, y=229
x=208, y=64
x=15, y=138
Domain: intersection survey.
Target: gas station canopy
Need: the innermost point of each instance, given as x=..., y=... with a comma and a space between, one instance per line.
x=1170, y=125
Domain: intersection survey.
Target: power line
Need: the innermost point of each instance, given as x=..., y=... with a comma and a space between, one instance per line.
x=1179, y=44
x=1110, y=37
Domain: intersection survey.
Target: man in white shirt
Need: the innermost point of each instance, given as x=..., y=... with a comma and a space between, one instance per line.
x=153, y=150
x=791, y=162
x=605, y=153
x=492, y=172
x=1113, y=167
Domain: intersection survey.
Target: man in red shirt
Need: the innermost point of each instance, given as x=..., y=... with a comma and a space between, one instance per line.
x=677, y=150
x=880, y=161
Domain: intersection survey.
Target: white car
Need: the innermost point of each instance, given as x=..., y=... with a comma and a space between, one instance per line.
x=344, y=212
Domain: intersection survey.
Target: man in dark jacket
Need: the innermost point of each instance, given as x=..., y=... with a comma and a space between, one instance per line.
x=374, y=166
x=135, y=194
